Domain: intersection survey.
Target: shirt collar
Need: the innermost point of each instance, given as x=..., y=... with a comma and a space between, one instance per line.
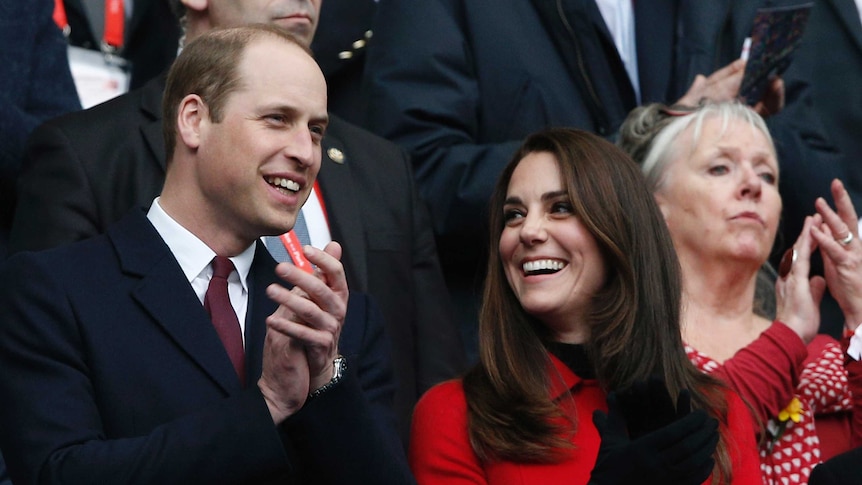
x=193, y=255
x=562, y=378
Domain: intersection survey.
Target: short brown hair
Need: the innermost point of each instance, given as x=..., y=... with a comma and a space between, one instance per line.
x=208, y=67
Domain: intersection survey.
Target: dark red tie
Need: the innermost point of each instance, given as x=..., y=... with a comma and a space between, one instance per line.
x=217, y=304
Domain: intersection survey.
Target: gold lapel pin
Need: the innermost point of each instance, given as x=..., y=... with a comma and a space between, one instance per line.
x=335, y=155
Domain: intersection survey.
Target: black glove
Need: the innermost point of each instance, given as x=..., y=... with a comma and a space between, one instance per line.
x=679, y=452
x=647, y=406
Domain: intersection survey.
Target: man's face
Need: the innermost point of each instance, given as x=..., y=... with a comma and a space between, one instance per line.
x=297, y=16
x=256, y=167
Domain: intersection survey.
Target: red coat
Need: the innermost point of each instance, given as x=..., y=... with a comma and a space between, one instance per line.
x=440, y=451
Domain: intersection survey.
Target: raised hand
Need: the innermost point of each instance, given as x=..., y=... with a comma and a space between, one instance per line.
x=722, y=85
x=838, y=237
x=797, y=295
x=302, y=334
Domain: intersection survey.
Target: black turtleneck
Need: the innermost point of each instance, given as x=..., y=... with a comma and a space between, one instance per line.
x=575, y=358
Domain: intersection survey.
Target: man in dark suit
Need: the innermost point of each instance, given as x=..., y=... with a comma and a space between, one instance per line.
x=113, y=372
x=35, y=85
x=368, y=192
x=151, y=34
x=830, y=59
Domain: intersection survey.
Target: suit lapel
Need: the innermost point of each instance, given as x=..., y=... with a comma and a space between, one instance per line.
x=74, y=8
x=339, y=195
x=655, y=29
x=151, y=107
x=139, y=7
x=164, y=293
x=850, y=18
x=262, y=274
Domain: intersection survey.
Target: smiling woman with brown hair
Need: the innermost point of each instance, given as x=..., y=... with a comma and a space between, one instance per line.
x=580, y=319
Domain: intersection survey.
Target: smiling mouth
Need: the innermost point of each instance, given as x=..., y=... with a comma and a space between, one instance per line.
x=542, y=266
x=283, y=184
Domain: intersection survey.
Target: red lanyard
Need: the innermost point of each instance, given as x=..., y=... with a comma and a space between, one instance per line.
x=294, y=247
x=115, y=22
x=294, y=250
x=60, y=16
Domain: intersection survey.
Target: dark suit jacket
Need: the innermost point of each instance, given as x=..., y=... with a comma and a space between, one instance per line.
x=113, y=373
x=35, y=85
x=831, y=60
x=152, y=36
x=844, y=469
x=339, y=46
x=102, y=161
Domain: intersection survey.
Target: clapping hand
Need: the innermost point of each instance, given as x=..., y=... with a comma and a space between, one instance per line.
x=836, y=231
x=302, y=334
x=652, y=442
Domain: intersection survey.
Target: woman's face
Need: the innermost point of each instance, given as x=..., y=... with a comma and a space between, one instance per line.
x=551, y=261
x=720, y=198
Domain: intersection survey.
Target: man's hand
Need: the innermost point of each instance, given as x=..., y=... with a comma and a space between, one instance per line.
x=722, y=85
x=302, y=334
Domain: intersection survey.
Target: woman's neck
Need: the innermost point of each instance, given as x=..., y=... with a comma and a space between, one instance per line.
x=718, y=315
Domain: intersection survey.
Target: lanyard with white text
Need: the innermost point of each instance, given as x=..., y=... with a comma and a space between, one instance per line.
x=115, y=20
x=294, y=247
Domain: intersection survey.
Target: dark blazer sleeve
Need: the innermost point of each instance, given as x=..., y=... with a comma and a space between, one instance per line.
x=368, y=351
x=100, y=163
x=69, y=212
x=36, y=83
x=437, y=121
x=440, y=352
x=348, y=434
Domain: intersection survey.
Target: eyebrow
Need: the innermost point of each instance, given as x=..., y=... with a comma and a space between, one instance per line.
x=731, y=150
x=545, y=197
x=294, y=112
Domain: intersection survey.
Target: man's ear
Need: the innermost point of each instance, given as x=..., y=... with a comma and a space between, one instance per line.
x=192, y=118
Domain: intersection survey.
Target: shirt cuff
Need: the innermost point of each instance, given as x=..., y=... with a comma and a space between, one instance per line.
x=855, y=348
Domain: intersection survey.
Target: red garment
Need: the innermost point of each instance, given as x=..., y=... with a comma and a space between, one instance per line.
x=440, y=451
x=769, y=373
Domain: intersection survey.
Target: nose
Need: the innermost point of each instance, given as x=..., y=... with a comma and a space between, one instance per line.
x=533, y=230
x=751, y=184
x=300, y=146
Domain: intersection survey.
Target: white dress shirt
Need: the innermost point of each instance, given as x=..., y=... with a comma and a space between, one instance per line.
x=619, y=16
x=195, y=257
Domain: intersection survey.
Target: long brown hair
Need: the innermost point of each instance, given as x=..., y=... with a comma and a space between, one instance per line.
x=634, y=318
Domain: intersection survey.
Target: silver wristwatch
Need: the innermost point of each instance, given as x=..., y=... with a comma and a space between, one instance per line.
x=339, y=368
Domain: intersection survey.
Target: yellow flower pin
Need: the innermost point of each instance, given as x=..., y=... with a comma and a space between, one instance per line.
x=793, y=411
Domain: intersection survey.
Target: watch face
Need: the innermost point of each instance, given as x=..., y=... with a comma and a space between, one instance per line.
x=340, y=364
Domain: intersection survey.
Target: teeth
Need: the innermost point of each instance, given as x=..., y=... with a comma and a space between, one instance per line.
x=546, y=265
x=283, y=183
